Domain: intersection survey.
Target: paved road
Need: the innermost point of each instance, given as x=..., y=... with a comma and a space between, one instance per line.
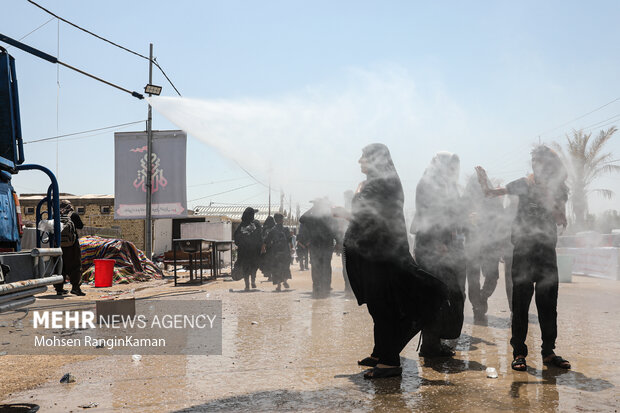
x=300, y=355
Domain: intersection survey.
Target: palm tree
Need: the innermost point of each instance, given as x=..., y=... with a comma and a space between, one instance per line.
x=584, y=164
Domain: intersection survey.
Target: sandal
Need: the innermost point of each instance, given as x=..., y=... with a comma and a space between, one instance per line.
x=557, y=361
x=518, y=364
x=383, y=372
x=368, y=361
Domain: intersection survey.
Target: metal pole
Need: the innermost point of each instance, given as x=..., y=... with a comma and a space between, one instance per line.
x=269, y=212
x=148, y=236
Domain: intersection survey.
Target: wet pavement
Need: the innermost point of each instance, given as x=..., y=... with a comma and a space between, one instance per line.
x=288, y=352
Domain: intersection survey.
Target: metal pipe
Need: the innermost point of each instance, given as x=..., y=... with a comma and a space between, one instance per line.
x=28, y=49
x=46, y=252
x=21, y=294
x=28, y=284
x=54, y=60
x=14, y=305
x=134, y=94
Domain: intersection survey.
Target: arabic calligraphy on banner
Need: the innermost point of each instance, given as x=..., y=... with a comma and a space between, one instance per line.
x=168, y=184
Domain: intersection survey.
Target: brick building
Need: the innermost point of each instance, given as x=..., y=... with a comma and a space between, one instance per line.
x=97, y=213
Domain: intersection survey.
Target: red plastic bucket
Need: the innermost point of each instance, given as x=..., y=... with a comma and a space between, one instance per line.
x=104, y=272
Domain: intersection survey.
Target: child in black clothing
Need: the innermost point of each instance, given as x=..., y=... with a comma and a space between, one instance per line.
x=541, y=209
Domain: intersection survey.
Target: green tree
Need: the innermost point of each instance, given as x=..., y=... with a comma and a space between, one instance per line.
x=586, y=161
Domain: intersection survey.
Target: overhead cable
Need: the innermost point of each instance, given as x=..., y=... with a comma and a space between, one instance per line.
x=582, y=116
x=217, y=182
x=600, y=124
x=250, y=175
x=220, y=193
x=86, y=131
x=32, y=31
x=107, y=41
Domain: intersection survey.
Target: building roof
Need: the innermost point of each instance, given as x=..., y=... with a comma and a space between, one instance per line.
x=234, y=212
x=65, y=196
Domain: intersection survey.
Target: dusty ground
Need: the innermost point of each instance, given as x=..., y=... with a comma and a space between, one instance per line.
x=300, y=355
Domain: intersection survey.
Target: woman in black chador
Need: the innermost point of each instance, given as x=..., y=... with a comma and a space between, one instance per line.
x=248, y=239
x=401, y=298
x=266, y=258
x=437, y=224
x=278, y=248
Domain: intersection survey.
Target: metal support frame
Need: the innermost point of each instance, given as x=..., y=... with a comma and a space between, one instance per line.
x=52, y=199
x=148, y=227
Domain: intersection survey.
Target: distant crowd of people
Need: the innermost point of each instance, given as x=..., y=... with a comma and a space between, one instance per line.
x=459, y=238
x=269, y=247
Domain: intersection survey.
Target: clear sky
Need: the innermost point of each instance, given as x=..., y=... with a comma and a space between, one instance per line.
x=484, y=79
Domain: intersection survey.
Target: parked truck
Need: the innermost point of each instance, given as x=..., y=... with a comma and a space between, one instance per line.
x=23, y=273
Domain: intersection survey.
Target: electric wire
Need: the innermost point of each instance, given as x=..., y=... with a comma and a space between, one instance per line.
x=82, y=132
x=32, y=31
x=599, y=124
x=86, y=31
x=91, y=135
x=223, y=192
x=581, y=117
x=107, y=41
x=252, y=176
x=218, y=182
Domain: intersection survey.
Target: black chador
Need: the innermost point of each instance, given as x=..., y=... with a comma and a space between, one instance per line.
x=248, y=239
x=401, y=298
x=266, y=259
x=439, y=247
x=278, y=246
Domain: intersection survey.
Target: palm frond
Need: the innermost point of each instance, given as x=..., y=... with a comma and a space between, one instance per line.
x=605, y=193
x=592, y=168
x=600, y=141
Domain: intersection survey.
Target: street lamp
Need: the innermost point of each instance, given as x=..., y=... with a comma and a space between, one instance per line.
x=152, y=89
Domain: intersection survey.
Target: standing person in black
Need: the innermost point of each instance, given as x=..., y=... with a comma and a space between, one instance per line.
x=504, y=230
x=319, y=228
x=278, y=246
x=71, y=252
x=266, y=260
x=248, y=239
x=541, y=209
x=437, y=224
x=483, y=245
x=401, y=298
x=302, y=249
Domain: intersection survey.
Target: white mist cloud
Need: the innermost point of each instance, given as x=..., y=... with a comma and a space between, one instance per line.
x=311, y=139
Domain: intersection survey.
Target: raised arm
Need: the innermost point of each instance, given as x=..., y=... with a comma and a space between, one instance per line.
x=484, y=184
x=340, y=212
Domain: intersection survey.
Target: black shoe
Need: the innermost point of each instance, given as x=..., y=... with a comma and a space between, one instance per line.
x=77, y=291
x=368, y=361
x=286, y=285
x=253, y=285
x=62, y=292
x=383, y=372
